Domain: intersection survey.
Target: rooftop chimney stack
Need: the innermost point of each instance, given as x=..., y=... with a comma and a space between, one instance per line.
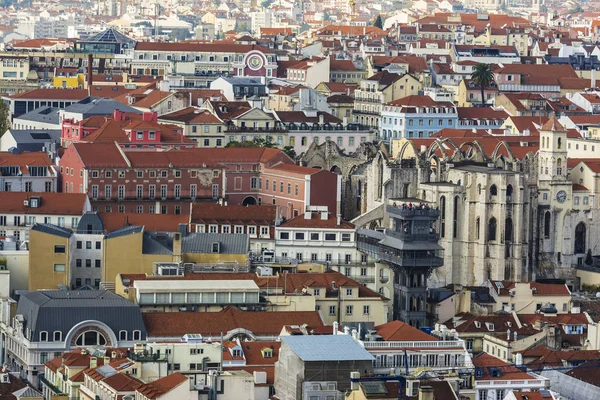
x=593, y=83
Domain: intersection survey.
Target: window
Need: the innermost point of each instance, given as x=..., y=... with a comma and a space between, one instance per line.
x=366, y=310
x=330, y=236
x=499, y=394
x=59, y=249
x=88, y=263
x=137, y=335
x=349, y=310
x=331, y=310
x=97, y=263
x=349, y=292
x=284, y=235
x=88, y=244
x=314, y=236
x=98, y=245
x=296, y=190
x=122, y=335
x=316, y=292
x=176, y=367
x=59, y=267
x=492, y=229
x=43, y=336
x=299, y=236
x=57, y=336
x=346, y=237
x=78, y=263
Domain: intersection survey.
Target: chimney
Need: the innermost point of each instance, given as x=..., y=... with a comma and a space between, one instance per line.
x=593, y=83
x=354, y=334
x=321, y=119
x=106, y=360
x=89, y=73
x=324, y=215
x=346, y=330
x=426, y=393
x=308, y=214
x=335, y=327
x=177, y=247
x=93, y=362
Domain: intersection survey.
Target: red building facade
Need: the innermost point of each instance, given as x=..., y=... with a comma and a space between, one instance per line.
x=167, y=181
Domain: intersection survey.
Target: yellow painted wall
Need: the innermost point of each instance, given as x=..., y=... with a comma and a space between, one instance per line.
x=71, y=82
x=42, y=259
x=123, y=255
x=210, y=258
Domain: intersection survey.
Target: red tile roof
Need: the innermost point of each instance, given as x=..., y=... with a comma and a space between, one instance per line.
x=162, y=386
x=51, y=203
x=316, y=222
x=198, y=46
x=23, y=160
x=507, y=371
x=176, y=324
x=399, y=331
x=150, y=222
x=203, y=212
x=52, y=94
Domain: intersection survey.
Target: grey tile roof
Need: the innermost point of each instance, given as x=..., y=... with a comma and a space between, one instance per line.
x=97, y=106
x=48, y=115
x=61, y=310
x=111, y=35
x=52, y=230
x=128, y=230
x=202, y=243
x=90, y=221
x=157, y=243
x=27, y=393
x=25, y=136
x=327, y=348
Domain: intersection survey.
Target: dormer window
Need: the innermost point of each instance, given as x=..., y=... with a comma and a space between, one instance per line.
x=267, y=353
x=151, y=135
x=477, y=324
x=57, y=336
x=489, y=326
x=237, y=353
x=43, y=336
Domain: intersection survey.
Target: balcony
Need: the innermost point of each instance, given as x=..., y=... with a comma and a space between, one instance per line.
x=413, y=237
x=390, y=255
x=415, y=212
x=384, y=279
x=449, y=344
x=232, y=128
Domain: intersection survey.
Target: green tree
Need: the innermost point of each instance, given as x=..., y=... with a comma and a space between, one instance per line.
x=378, y=22
x=4, y=113
x=266, y=3
x=482, y=76
x=289, y=150
x=326, y=15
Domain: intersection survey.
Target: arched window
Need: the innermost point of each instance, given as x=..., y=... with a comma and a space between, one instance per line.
x=492, y=229
x=455, y=218
x=443, y=216
x=559, y=167
x=493, y=190
x=57, y=336
x=137, y=335
x=90, y=338
x=508, y=230
x=509, y=192
x=122, y=335
x=559, y=143
x=580, y=238
x=479, y=189
x=477, y=227
x=547, y=225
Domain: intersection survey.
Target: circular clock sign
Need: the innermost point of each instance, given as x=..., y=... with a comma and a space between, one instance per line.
x=561, y=196
x=255, y=62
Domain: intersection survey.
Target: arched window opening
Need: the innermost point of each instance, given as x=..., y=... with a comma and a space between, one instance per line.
x=477, y=227
x=559, y=167
x=443, y=216
x=91, y=338
x=559, y=143
x=455, y=218
x=547, y=225
x=492, y=229
x=580, y=238
x=509, y=193
x=493, y=190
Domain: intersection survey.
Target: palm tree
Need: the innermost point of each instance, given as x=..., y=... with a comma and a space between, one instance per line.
x=482, y=76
